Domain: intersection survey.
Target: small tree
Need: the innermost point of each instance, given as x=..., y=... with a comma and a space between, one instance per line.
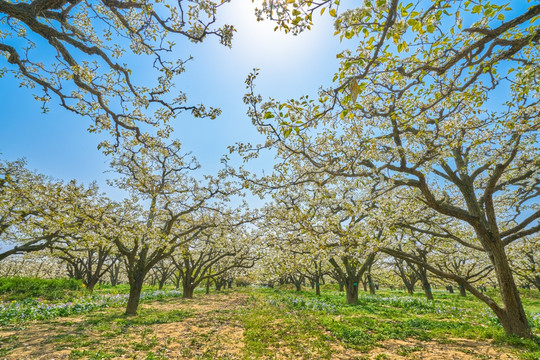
x=177, y=208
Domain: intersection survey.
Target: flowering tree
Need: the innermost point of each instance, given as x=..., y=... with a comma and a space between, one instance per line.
x=525, y=258
x=168, y=207
x=412, y=109
x=35, y=264
x=76, y=51
x=322, y=226
x=35, y=211
x=87, y=260
x=213, y=253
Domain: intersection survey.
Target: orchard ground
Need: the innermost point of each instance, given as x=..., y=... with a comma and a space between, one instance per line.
x=262, y=323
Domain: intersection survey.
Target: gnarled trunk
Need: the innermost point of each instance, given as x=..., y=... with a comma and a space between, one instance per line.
x=352, y=292
x=422, y=273
x=512, y=315
x=371, y=285
x=187, y=291
x=91, y=285
x=135, y=289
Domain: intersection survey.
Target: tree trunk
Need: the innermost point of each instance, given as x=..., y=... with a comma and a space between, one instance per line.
x=298, y=285
x=536, y=282
x=422, y=272
x=135, y=289
x=187, y=288
x=187, y=292
x=113, y=273
x=371, y=285
x=341, y=287
x=207, y=286
x=462, y=291
x=352, y=292
x=427, y=290
x=512, y=316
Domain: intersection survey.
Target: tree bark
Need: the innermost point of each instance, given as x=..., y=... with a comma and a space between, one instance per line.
x=135, y=289
x=371, y=285
x=512, y=317
x=427, y=289
x=351, y=288
x=422, y=273
x=91, y=285
x=187, y=290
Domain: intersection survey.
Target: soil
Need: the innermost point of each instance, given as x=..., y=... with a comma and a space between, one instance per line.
x=212, y=331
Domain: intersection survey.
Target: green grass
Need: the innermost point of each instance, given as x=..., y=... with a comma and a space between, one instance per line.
x=23, y=288
x=268, y=330
x=391, y=315
x=288, y=324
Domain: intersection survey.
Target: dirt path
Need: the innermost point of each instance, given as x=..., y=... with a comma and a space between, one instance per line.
x=209, y=331
x=207, y=327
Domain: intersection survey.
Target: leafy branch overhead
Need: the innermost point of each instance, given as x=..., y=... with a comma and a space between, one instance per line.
x=81, y=53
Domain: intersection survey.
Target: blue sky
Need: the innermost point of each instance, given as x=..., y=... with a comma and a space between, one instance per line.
x=57, y=143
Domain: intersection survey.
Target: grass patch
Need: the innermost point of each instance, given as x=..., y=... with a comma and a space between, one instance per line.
x=392, y=315
x=267, y=323
x=23, y=288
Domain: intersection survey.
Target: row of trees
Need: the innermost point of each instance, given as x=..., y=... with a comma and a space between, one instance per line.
x=170, y=216
x=426, y=146
x=316, y=231
x=173, y=228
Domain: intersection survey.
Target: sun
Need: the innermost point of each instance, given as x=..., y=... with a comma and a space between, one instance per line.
x=261, y=40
